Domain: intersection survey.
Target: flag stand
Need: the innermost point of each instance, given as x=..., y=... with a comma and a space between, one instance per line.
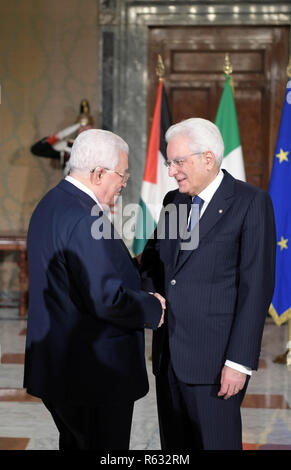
x=285, y=358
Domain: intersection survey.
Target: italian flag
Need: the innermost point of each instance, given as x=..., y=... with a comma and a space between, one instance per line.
x=156, y=181
x=226, y=121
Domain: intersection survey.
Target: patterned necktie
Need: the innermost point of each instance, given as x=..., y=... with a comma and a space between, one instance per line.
x=196, y=201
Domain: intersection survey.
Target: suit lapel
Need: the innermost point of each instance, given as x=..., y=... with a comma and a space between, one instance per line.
x=217, y=208
x=173, y=245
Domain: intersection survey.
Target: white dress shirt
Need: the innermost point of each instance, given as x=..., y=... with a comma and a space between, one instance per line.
x=207, y=195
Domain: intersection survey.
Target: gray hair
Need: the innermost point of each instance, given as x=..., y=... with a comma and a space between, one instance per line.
x=96, y=147
x=203, y=135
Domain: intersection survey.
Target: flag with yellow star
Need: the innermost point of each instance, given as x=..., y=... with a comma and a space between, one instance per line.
x=280, y=192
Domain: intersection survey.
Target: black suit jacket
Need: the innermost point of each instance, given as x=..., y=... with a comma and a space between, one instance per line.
x=87, y=312
x=218, y=294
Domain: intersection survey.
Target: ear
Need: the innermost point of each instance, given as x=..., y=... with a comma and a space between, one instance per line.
x=209, y=159
x=96, y=176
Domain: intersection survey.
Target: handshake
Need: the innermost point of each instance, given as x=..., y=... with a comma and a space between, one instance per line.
x=163, y=305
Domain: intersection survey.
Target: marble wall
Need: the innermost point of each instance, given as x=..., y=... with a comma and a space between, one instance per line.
x=49, y=63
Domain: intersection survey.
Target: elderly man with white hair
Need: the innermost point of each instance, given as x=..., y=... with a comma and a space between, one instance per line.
x=87, y=312
x=218, y=294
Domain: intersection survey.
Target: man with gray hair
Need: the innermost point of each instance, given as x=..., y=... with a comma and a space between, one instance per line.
x=217, y=295
x=87, y=313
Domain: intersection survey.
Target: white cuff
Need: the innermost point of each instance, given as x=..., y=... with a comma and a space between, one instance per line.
x=239, y=367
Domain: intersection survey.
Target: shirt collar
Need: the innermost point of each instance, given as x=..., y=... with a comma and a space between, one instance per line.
x=83, y=187
x=209, y=191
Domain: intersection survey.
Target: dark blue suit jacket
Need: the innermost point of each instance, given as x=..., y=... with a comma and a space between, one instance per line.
x=87, y=312
x=218, y=294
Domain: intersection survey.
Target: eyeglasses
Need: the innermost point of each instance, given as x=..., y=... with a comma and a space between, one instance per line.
x=178, y=162
x=125, y=176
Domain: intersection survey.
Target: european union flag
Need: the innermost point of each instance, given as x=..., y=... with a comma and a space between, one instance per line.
x=280, y=192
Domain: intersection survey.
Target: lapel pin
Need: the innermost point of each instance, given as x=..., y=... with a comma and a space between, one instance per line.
x=220, y=211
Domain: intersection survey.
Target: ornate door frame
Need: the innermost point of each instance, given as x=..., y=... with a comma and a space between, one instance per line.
x=123, y=67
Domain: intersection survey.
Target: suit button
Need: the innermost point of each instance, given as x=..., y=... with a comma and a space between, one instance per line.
x=173, y=282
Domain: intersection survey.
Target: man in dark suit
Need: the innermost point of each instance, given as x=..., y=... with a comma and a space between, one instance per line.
x=87, y=312
x=218, y=294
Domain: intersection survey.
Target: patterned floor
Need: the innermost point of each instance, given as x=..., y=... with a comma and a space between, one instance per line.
x=26, y=424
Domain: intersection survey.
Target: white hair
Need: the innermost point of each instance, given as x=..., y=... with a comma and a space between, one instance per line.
x=203, y=135
x=96, y=147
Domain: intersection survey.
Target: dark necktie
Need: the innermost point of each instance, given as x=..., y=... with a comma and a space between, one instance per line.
x=194, y=217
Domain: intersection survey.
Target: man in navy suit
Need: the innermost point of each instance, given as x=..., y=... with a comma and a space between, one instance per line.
x=87, y=312
x=218, y=294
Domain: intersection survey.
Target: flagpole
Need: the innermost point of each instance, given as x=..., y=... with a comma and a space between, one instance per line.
x=160, y=68
x=227, y=68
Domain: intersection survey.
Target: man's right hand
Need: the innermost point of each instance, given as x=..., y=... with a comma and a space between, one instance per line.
x=163, y=305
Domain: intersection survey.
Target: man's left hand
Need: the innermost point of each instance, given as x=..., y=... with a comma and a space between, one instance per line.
x=232, y=381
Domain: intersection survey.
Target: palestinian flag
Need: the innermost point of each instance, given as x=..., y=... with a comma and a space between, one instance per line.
x=226, y=121
x=156, y=181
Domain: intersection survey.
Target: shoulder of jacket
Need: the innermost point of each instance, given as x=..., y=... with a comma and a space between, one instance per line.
x=248, y=189
x=170, y=196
